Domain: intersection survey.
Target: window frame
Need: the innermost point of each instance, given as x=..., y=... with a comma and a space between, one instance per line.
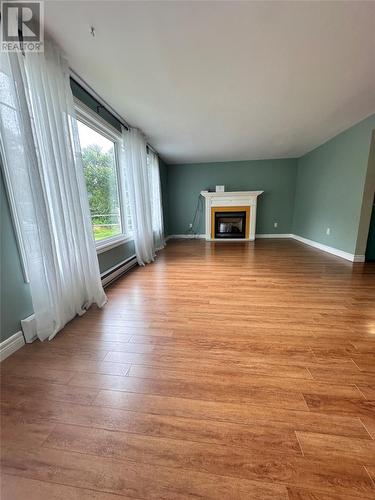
x=88, y=117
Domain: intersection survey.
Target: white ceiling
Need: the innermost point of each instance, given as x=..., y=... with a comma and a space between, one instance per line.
x=228, y=80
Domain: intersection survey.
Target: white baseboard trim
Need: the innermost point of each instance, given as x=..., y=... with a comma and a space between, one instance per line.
x=320, y=246
x=116, y=271
x=185, y=237
x=332, y=250
x=28, y=326
x=359, y=258
x=277, y=235
x=11, y=345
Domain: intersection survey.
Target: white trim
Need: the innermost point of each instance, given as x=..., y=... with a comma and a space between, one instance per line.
x=231, y=194
x=95, y=121
x=325, y=248
x=114, y=242
x=231, y=199
x=118, y=271
x=28, y=326
x=334, y=251
x=11, y=345
x=276, y=235
x=185, y=237
x=359, y=258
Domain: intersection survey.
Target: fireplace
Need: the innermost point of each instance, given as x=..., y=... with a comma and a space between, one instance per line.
x=230, y=207
x=230, y=224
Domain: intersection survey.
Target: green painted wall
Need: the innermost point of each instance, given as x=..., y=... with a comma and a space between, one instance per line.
x=330, y=186
x=275, y=177
x=14, y=292
x=163, y=168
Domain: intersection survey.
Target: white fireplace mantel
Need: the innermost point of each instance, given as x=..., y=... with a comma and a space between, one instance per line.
x=231, y=199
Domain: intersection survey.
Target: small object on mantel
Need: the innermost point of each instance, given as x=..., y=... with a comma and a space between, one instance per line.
x=220, y=189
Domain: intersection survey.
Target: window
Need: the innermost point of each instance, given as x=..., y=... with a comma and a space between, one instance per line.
x=99, y=146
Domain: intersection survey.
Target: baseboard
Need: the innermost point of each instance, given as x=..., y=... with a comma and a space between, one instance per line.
x=276, y=235
x=320, y=246
x=115, y=272
x=332, y=250
x=11, y=345
x=28, y=326
x=185, y=236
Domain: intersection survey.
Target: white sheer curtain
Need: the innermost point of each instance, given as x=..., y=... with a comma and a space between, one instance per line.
x=136, y=173
x=44, y=171
x=156, y=201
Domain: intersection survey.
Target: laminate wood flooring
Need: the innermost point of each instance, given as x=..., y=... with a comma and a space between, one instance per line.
x=222, y=371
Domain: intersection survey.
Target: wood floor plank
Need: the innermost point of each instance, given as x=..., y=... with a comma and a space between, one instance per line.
x=15, y=431
x=325, y=446
x=303, y=494
x=201, y=362
x=369, y=424
x=351, y=374
x=39, y=373
x=367, y=390
x=133, y=478
x=21, y=386
x=239, y=413
x=340, y=406
x=19, y=488
x=176, y=359
x=47, y=365
x=213, y=459
x=276, y=438
x=253, y=380
x=371, y=471
x=200, y=390
x=365, y=362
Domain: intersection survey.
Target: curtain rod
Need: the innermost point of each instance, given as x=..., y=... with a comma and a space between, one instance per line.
x=94, y=94
x=104, y=103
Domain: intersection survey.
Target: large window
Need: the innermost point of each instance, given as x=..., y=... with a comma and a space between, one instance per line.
x=99, y=147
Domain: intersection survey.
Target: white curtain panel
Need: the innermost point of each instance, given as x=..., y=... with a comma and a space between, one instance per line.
x=156, y=200
x=44, y=173
x=134, y=164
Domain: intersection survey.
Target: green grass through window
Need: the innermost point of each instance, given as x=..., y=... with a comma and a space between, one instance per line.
x=103, y=232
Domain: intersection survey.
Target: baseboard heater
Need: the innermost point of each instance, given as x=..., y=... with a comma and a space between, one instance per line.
x=115, y=272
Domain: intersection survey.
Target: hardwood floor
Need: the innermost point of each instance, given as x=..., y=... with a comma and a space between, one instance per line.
x=222, y=371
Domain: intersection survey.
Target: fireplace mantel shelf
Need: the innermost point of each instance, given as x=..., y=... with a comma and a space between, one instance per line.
x=233, y=199
x=230, y=194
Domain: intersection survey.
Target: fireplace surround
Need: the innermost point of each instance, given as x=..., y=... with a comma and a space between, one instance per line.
x=230, y=216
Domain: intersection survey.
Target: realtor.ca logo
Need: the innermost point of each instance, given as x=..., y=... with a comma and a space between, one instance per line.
x=22, y=26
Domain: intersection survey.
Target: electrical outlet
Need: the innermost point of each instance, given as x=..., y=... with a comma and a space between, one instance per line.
x=328, y=231
x=190, y=226
x=275, y=224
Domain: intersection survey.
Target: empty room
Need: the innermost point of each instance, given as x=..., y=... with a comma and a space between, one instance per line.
x=187, y=263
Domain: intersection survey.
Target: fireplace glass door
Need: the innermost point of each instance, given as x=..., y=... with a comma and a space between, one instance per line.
x=230, y=224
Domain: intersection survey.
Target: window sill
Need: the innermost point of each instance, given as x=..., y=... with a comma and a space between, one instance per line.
x=110, y=243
